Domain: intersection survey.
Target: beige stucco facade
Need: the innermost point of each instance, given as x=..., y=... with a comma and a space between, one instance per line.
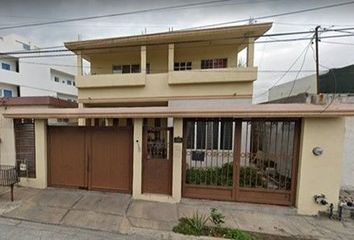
x=319, y=174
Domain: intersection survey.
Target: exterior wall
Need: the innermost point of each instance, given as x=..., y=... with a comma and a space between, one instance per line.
x=12, y=88
x=41, y=157
x=7, y=140
x=34, y=79
x=303, y=85
x=319, y=174
x=196, y=53
x=157, y=87
x=101, y=63
x=348, y=161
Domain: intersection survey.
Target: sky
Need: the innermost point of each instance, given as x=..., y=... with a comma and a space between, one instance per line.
x=272, y=59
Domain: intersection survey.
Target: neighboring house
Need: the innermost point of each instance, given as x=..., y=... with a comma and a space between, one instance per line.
x=169, y=115
x=32, y=76
x=338, y=82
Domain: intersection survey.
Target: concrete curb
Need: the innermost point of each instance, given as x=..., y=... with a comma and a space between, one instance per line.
x=168, y=235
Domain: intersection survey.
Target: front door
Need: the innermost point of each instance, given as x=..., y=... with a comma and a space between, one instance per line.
x=157, y=160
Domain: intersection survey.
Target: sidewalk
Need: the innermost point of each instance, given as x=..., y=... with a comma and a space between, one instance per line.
x=118, y=213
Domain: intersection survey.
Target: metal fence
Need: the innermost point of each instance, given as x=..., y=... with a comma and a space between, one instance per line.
x=261, y=150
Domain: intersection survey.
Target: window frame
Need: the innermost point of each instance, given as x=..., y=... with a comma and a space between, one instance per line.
x=213, y=63
x=183, y=66
x=202, y=144
x=6, y=66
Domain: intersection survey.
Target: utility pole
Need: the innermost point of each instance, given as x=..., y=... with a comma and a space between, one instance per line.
x=317, y=61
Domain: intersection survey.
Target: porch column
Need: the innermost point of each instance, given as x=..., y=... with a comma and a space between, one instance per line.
x=82, y=121
x=250, y=52
x=79, y=64
x=40, y=128
x=137, y=157
x=171, y=57
x=143, y=59
x=177, y=160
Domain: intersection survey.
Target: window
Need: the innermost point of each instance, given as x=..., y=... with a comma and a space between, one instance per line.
x=133, y=68
x=56, y=79
x=182, y=66
x=7, y=93
x=214, y=63
x=69, y=82
x=74, y=83
x=211, y=135
x=117, y=68
x=126, y=69
x=5, y=66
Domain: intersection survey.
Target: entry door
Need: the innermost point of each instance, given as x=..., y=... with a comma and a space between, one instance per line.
x=157, y=160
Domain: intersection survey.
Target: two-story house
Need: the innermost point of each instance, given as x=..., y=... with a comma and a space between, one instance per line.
x=168, y=116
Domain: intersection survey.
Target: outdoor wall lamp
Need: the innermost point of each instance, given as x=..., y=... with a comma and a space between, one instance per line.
x=317, y=151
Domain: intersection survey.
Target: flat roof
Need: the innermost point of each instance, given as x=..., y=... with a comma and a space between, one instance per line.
x=237, y=111
x=37, y=101
x=208, y=34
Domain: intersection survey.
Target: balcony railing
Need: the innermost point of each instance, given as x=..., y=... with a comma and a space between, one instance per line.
x=197, y=76
x=221, y=75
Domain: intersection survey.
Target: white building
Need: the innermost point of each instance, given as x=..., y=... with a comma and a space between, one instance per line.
x=302, y=90
x=33, y=76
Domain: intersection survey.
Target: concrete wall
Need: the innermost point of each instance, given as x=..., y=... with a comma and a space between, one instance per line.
x=303, y=85
x=41, y=157
x=7, y=140
x=157, y=87
x=348, y=159
x=319, y=174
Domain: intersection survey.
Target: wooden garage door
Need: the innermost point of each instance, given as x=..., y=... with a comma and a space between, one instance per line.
x=110, y=164
x=66, y=157
x=90, y=157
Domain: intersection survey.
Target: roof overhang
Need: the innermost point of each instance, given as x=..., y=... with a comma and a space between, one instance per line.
x=188, y=36
x=239, y=111
x=37, y=101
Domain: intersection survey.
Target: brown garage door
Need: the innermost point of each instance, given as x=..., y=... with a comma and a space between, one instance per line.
x=90, y=157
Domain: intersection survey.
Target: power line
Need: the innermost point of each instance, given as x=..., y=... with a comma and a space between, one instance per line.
x=113, y=15
x=286, y=72
x=275, y=15
x=197, y=41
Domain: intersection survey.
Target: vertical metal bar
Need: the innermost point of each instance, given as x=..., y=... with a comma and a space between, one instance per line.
x=281, y=155
x=223, y=152
x=287, y=154
x=275, y=155
x=268, y=151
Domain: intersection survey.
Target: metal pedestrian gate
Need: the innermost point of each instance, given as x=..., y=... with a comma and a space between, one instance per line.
x=90, y=157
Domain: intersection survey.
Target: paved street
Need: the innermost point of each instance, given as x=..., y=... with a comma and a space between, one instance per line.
x=77, y=214
x=23, y=230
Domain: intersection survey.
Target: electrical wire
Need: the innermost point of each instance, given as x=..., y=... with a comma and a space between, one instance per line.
x=274, y=15
x=197, y=41
x=112, y=15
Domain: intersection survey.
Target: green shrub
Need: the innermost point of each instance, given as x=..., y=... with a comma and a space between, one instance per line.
x=237, y=234
x=192, y=226
x=216, y=217
x=223, y=176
